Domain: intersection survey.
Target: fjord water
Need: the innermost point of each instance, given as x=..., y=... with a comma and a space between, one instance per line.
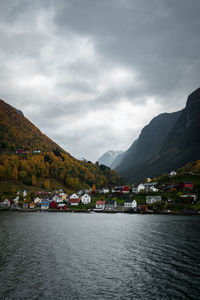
x=99, y=256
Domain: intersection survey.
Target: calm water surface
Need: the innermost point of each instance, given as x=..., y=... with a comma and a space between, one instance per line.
x=99, y=256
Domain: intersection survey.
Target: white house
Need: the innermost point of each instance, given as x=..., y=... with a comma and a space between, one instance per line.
x=140, y=187
x=16, y=200
x=57, y=199
x=153, y=199
x=5, y=203
x=153, y=189
x=44, y=205
x=37, y=200
x=100, y=205
x=130, y=204
x=74, y=196
x=36, y=151
x=172, y=173
x=24, y=193
x=85, y=199
x=104, y=190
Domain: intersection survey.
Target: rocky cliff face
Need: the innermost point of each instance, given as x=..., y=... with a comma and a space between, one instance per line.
x=168, y=142
x=108, y=158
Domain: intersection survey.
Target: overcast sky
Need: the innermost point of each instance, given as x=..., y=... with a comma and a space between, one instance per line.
x=92, y=73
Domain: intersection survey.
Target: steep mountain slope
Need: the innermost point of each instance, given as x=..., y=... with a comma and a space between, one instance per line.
x=52, y=162
x=18, y=132
x=149, y=142
x=108, y=157
x=168, y=142
x=117, y=160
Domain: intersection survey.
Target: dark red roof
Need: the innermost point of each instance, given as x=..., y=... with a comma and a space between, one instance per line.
x=125, y=188
x=101, y=202
x=77, y=200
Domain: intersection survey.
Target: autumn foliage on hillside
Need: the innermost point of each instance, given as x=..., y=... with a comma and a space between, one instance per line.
x=18, y=132
x=72, y=173
x=52, y=162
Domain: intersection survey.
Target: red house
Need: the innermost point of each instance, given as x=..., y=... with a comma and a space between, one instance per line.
x=53, y=205
x=74, y=202
x=186, y=186
x=20, y=151
x=125, y=189
x=62, y=206
x=143, y=208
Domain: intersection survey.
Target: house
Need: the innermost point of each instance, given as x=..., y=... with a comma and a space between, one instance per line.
x=16, y=200
x=125, y=189
x=130, y=204
x=36, y=151
x=117, y=189
x=151, y=186
x=62, y=206
x=104, y=190
x=44, y=204
x=5, y=203
x=57, y=198
x=188, y=198
x=134, y=189
x=18, y=151
x=37, y=200
x=63, y=196
x=110, y=204
x=14, y=206
x=100, y=205
x=25, y=205
x=172, y=173
x=148, y=179
x=143, y=208
x=85, y=199
x=24, y=193
x=153, y=189
x=74, y=202
x=32, y=205
x=153, y=199
x=74, y=196
x=170, y=187
x=186, y=186
x=141, y=187
x=53, y=205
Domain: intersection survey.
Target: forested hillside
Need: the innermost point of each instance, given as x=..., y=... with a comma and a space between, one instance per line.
x=16, y=131
x=52, y=162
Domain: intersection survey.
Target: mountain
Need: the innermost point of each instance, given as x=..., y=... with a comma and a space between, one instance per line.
x=50, y=164
x=108, y=157
x=20, y=112
x=16, y=131
x=117, y=160
x=168, y=142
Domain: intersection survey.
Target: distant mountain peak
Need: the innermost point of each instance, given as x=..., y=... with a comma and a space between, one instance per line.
x=108, y=157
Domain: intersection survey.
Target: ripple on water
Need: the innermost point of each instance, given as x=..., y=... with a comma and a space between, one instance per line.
x=99, y=256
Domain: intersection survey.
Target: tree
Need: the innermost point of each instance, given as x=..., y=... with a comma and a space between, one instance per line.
x=15, y=173
x=93, y=188
x=33, y=180
x=47, y=184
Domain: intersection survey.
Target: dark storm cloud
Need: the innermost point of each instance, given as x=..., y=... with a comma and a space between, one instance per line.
x=91, y=74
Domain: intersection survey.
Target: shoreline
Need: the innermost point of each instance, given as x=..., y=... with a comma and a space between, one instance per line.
x=184, y=213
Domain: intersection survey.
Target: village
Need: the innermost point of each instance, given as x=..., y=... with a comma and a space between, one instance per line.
x=148, y=197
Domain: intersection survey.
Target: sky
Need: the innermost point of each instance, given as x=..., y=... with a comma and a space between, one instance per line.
x=91, y=74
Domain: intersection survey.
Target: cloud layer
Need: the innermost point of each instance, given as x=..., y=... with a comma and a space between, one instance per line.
x=90, y=74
